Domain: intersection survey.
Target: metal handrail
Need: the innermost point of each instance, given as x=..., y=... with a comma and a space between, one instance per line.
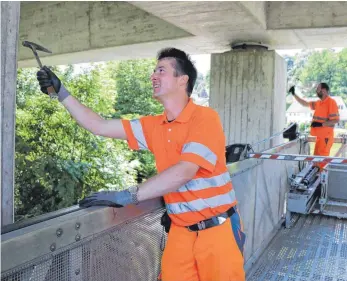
x=27, y=222
x=29, y=242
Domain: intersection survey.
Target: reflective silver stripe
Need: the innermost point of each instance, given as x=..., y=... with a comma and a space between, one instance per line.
x=200, y=204
x=138, y=133
x=333, y=115
x=201, y=150
x=203, y=183
x=320, y=118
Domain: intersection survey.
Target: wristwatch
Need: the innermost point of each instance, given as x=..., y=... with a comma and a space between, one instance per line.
x=133, y=191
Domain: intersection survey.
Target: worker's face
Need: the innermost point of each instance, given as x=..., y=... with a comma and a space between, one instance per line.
x=319, y=91
x=164, y=81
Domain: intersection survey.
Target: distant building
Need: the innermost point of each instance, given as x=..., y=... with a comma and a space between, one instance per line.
x=301, y=114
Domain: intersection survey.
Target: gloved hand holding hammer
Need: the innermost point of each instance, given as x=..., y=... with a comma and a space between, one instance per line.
x=292, y=90
x=47, y=78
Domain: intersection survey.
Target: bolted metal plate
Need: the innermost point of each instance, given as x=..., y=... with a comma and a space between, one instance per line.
x=128, y=251
x=315, y=248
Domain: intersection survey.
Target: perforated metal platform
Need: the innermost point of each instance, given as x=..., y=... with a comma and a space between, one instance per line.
x=314, y=249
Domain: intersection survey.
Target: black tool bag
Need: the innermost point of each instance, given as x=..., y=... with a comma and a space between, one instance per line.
x=237, y=152
x=292, y=132
x=165, y=221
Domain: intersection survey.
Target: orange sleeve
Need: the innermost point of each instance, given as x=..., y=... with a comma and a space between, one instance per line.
x=138, y=132
x=205, y=142
x=312, y=105
x=333, y=111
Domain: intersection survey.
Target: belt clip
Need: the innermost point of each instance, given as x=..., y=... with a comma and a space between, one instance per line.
x=201, y=225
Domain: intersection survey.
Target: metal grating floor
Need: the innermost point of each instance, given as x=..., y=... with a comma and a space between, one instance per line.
x=314, y=249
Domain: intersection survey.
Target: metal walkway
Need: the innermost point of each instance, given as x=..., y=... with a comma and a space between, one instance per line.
x=314, y=249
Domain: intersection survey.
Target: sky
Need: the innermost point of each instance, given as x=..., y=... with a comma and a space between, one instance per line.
x=202, y=63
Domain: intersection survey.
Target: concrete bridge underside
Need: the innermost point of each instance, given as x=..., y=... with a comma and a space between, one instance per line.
x=93, y=31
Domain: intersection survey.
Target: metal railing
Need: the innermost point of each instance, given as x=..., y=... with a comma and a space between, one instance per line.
x=87, y=244
x=126, y=244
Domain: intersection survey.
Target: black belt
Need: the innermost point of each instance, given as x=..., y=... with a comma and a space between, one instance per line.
x=211, y=222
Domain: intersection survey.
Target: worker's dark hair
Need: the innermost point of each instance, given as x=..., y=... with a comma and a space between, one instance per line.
x=324, y=86
x=183, y=65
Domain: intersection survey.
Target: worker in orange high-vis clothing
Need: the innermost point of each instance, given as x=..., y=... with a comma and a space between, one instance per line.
x=326, y=115
x=206, y=238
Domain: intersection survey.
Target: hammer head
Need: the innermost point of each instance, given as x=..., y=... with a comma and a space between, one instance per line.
x=35, y=47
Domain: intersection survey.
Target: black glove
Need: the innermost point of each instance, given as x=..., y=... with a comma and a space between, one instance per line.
x=316, y=124
x=46, y=79
x=292, y=90
x=117, y=199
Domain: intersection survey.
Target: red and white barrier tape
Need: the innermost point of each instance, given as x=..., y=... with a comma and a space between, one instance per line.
x=336, y=140
x=297, y=157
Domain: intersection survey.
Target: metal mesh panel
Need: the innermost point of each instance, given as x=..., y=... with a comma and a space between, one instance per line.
x=337, y=182
x=315, y=248
x=129, y=251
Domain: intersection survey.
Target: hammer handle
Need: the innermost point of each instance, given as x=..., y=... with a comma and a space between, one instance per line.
x=52, y=93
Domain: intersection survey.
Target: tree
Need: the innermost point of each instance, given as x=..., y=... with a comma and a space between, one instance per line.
x=320, y=67
x=341, y=77
x=295, y=66
x=58, y=162
x=134, y=88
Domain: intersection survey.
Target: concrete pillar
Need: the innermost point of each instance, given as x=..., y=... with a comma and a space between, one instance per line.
x=10, y=13
x=248, y=89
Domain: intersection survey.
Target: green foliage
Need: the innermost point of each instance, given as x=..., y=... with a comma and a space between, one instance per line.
x=320, y=67
x=308, y=68
x=134, y=88
x=58, y=162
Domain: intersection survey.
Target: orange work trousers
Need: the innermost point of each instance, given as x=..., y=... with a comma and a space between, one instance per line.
x=213, y=254
x=323, y=147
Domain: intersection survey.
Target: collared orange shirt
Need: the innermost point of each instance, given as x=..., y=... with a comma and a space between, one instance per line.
x=196, y=136
x=324, y=111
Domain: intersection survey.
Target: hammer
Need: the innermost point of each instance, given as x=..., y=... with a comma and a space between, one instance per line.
x=36, y=47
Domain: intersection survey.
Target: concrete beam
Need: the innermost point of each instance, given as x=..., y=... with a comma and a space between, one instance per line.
x=99, y=31
x=9, y=37
x=216, y=19
x=257, y=9
x=78, y=27
x=306, y=14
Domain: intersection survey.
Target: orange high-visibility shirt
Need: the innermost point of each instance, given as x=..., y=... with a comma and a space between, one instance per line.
x=324, y=111
x=196, y=136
